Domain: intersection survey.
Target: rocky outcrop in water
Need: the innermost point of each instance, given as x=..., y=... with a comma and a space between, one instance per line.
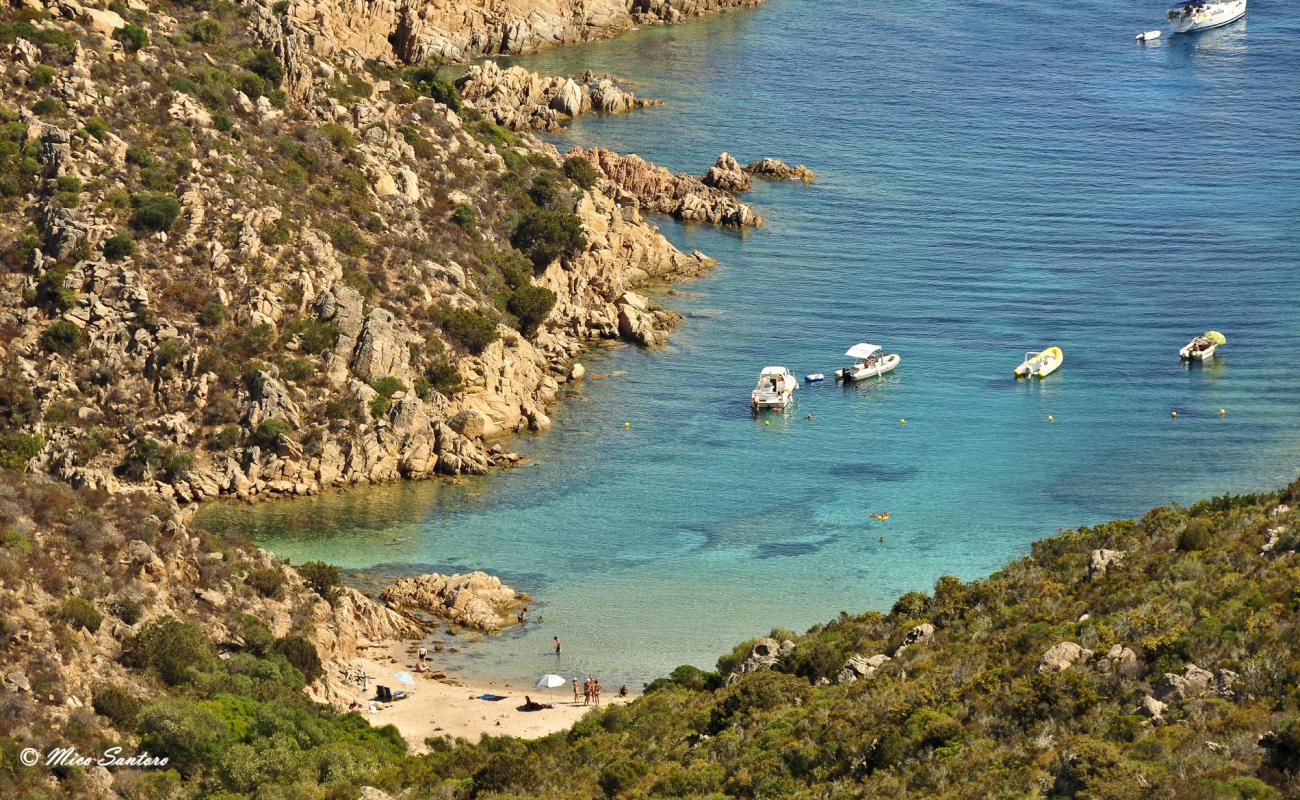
x=523, y=100
x=726, y=174
x=778, y=170
x=472, y=600
x=634, y=181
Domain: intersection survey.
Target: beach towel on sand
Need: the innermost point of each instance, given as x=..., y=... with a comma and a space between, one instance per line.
x=493, y=697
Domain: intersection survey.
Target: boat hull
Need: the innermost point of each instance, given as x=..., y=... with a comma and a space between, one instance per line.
x=1188, y=354
x=1041, y=364
x=887, y=364
x=1212, y=16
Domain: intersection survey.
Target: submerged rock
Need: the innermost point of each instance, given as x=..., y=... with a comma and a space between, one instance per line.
x=778, y=170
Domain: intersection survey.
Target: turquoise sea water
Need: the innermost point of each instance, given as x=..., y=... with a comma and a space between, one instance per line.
x=993, y=178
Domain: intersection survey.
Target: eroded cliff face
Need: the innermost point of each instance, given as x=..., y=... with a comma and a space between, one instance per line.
x=272, y=274
x=458, y=30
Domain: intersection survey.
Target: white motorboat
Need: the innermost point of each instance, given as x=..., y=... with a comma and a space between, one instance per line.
x=774, y=390
x=871, y=362
x=1203, y=347
x=1200, y=15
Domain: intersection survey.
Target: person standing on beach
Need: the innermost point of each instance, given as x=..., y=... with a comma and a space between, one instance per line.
x=586, y=692
x=595, y=690
x=575, y=691
x=557, y=645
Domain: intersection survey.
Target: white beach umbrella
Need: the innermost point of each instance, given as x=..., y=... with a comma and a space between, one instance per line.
x=551, y=681
x=405, y=677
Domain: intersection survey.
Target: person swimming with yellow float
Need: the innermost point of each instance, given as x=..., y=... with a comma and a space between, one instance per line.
x=883, y=516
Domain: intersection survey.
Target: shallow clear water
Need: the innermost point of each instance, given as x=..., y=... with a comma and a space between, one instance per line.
x=992, y=178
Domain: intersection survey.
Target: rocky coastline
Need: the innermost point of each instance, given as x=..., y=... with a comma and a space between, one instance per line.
x=460, y=30
x=521, y=100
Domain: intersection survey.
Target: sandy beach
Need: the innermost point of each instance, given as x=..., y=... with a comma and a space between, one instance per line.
x=449, y=706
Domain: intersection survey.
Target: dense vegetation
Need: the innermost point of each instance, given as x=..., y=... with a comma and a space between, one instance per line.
x=968, y=712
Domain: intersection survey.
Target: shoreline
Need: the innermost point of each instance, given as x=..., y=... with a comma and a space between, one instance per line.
x=450, y=706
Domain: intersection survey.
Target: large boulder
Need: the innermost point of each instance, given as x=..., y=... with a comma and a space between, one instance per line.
x=1060, y=657
x=727, y=175
x=777, y=170
x=474, y=600
x=765, y=654
x=861, y=667
x=1102, y=560
x=1194, y=682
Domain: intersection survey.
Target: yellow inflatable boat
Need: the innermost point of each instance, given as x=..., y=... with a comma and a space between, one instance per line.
x=1040, y=364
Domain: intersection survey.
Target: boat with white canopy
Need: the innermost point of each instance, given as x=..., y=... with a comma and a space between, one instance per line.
x=1201, y=15
x=870, y=362
x=1203, y=347
x=774, y=390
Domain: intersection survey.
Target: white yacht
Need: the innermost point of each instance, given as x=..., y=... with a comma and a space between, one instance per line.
x=1199, y=15
x=775, y=389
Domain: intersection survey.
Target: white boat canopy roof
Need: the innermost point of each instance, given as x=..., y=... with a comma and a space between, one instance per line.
x=774, y=371
x=863, y=350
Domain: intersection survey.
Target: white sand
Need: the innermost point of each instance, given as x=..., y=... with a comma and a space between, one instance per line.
x=448, y=707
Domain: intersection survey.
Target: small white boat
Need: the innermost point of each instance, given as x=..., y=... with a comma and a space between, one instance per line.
x=1040, y=364
x=1201, y=15
x=871, y=363
x=1148, y=36
x=1202, y=347
x=814, y=377
x=774, y=390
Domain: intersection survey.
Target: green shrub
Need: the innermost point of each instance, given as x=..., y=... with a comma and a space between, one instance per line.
x=119, y=247
x=81, y=613
x=212, y=314
x=384, y=388
x=47, y=107
x=443, y=375
x=148, y=459
x=426, y=80
x=62, y=337
x=268, y=582
x=267, y=66
x=132, y=36
x=339, y=136
x=581, y=172
x=313, y=335
x=470, y=328
x=206, y=31
x=297, y=370
x=531, y=304
x=15, y=541
x=16, y=449
x=172, y=648
x=324, y=579
x=128, y=610
x=302, y=654
x=225, y=438
x=187, y=732
x=1196, y=535
x=97, y=127
x=346, y=406
x=155, y=212
x=116, y=703
x=619, y=776
x=42, y=76
x=546, y=234
x=465, y=216
x=269, y=431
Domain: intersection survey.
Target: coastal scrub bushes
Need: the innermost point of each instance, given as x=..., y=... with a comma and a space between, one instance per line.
x=62, y=337
x=324, y=579
x=580, y=171
x=471, y=329
x=531, y=304
x=426, y=80
x=545, y=234
x=154, y=212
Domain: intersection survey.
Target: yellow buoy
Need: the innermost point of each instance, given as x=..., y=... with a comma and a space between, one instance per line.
x=627, y=424
x=767, y=423
x=1051, y=418
x=1223, y=412
x=902, y=422
x=1173, y=413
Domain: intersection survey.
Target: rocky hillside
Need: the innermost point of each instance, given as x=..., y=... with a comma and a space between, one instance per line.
x=237, y=262
x=1141, y=658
